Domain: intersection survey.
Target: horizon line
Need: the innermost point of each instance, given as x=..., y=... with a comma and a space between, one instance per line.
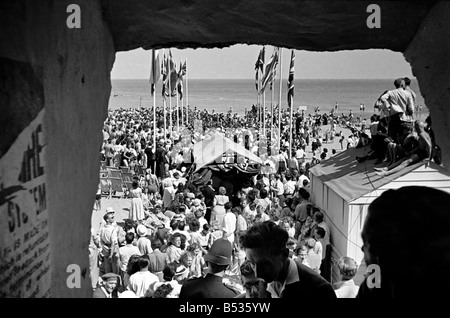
x=229, y=79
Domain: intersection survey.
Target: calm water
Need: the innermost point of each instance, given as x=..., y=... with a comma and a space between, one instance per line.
x=240, y=94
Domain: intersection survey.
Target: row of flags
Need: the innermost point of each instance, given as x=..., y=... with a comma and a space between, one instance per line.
x=171, y=78
x=269, y=72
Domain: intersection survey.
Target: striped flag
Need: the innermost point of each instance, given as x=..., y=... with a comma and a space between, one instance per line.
x=164, y=77
x=290, y=84
x=259, y=65
x=173, y=77
x=155, y=71
x=181, y=73
x=269, y=74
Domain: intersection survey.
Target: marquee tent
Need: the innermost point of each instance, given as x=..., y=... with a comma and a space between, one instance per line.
x=343, y=189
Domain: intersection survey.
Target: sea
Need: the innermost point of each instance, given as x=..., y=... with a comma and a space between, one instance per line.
x=238, y=94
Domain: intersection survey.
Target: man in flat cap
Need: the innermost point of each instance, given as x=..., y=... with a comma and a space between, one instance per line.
x=108, y=286
x=212, y=285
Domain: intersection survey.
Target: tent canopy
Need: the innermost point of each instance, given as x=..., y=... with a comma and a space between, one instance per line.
x=219, y=149
x=350, y=179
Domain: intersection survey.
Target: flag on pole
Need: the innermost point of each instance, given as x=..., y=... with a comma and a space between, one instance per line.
x=270, y=70
x=155, y=71
x=173, y=75
x=181, y=73
x=259, y=65
x=164, y=77
x=290, y=84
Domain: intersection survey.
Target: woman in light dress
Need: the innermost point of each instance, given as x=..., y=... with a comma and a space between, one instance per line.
x=137, y=207
x=218, y=211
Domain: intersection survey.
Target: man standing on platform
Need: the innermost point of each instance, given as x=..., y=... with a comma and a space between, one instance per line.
x=400, y=104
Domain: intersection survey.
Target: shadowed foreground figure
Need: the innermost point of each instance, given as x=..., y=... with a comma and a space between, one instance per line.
x=265, y=247
x=400, y=225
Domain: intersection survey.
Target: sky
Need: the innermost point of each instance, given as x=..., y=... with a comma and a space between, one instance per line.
x=238, y=62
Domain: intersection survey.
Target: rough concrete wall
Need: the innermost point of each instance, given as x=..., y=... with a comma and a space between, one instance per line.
x=429, y=54
x=308, y=25
x=75, y=67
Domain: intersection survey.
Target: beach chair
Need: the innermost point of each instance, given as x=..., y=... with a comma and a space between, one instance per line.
x=125, y=169
x=128, y=185
x=117, y=186
x=104, y=174
x=114, y=173
x=139, y=170
x=105, y=186
x=127, y=177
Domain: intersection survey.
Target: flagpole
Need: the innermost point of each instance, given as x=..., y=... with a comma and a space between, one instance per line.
x=182, y=106
x=176, y=96
x=169, y=77
x=290, y=127
x=272, y=117
x=153, y=76
x=187, y=97
x=279, y=106
x=178, y=114
x=259, y=103
x=154, y=118
x=264, y=113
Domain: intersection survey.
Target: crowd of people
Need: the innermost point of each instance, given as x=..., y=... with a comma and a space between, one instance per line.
x=174, y=223
x=183, y=240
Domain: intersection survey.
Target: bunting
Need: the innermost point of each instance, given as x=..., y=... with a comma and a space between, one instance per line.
x=290, y=84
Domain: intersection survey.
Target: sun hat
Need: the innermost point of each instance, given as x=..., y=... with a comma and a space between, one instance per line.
x=109, y=209
x=220, y=252
x=197, y=202
x=141, y=230
x=190, y=195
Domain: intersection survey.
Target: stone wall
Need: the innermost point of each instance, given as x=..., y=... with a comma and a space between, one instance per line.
x=428, y=55
x=64, y=75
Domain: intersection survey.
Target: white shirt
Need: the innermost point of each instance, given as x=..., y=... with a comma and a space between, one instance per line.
x=141, y=283
x=280, y=187
x=125, y=252
x=229, y=226
x=348, y=289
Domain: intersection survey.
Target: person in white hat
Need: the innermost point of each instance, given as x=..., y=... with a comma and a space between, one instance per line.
x=144, y=244
x=109, y=243
x=212, y=285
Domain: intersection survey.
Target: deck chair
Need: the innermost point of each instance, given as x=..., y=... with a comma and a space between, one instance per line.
x=117, y=185
x=114, y=173
x=105, y=186
x=125, y=169
x=139, y=170
x=127, y=177
x=103, y=166
x=104, y=174
x=129, y=185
